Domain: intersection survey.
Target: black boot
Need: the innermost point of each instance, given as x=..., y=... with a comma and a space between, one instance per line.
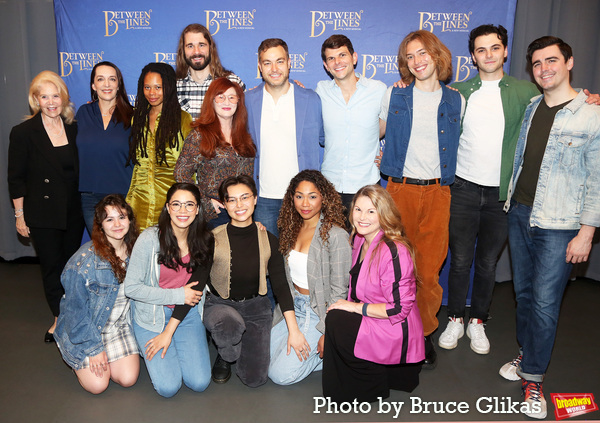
x=430, y=354
x=221, y=371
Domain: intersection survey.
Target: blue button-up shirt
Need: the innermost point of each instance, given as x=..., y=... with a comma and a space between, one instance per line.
x=351, y=133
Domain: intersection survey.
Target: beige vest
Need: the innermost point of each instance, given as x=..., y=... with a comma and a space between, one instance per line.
x=220, y=273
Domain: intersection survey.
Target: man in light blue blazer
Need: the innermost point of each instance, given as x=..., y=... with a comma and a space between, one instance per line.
x=286, y=125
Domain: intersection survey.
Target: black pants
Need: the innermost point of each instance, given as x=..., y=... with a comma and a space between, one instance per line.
x=346, y=377
x=54, y=248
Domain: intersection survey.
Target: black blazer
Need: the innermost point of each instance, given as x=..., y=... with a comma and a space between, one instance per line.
x=35, y=173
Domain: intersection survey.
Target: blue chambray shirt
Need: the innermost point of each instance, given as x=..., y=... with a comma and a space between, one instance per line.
x=351, y=133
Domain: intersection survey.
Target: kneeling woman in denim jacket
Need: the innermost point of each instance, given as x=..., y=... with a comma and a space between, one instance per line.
x=157, y=279
x=93, y=331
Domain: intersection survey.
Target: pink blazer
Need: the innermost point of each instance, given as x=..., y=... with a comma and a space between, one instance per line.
x=387, y=276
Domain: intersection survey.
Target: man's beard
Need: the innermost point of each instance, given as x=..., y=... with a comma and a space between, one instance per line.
x=198, y=66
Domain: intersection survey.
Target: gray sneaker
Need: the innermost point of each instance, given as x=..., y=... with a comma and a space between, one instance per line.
x=509, y=370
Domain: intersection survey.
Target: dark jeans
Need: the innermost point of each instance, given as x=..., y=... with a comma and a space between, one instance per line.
x=242, y=332
x=347, y=202
x=88, y=207
x=267, y=213
x=475, y=215
x=540, y=275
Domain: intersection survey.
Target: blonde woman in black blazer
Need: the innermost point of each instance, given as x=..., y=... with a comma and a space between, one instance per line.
x=43, y=173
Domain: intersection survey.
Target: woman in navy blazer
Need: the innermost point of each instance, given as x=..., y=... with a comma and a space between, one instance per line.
x=43, y=174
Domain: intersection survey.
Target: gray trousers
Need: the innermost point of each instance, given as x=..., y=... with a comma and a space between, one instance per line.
x=242, y=333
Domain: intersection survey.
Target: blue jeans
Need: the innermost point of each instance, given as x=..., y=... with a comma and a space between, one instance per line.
x=267, y=213
x=287, y=369
x=88, y=206
x=540, y=275
x=187, y=358
x=475, y=215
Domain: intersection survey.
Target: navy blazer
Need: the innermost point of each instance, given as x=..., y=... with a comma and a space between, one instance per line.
x=35, y=173
x=309, y=126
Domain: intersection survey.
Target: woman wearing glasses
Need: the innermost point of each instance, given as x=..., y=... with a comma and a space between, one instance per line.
x=237, y=311
x=219, y=146
x=172, y=337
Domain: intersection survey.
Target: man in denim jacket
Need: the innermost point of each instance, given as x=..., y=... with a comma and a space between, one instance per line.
x=554, y=201
x=421, y=123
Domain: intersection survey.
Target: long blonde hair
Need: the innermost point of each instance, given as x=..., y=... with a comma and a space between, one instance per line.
x=390, y=220
x=45, y=77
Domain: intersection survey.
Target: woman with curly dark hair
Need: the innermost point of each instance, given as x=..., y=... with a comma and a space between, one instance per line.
x=218, y=147
x=157, y=132
x=317, y=261
x=94, y=298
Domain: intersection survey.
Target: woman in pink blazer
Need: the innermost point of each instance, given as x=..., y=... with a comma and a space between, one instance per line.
x=374, y=340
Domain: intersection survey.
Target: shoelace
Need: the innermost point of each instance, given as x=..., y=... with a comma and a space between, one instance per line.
x=516, y=361
x=534, y=389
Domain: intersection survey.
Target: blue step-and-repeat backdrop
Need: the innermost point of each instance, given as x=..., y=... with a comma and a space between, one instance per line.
x=135, y=32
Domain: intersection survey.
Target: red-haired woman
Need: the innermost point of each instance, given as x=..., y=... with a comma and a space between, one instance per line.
x=218, y=147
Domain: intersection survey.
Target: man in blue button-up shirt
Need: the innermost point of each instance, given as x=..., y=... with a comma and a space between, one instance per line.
x=351, y=106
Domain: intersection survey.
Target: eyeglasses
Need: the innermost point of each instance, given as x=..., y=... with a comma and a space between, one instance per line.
x=189, y=206
x=244, y=198
x=233, y=99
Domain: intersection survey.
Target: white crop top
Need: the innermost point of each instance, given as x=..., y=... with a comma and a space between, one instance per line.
x=298, y=263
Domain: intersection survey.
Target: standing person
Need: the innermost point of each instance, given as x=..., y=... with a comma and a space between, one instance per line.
x=95, y=298
x=351, y=105
x=496, y=103
x=422, y=127
x=103, y=134
x=158, y=130
x=160, y=266
x=286, y=125
x=43, y=179
x=374, y=339
x=237, y=311
x=219, y=146
x=553, y=209
x=314, y=244
x=198, y=64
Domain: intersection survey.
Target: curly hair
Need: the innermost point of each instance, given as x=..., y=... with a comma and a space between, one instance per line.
x=290, y=221
x=390, y=220
x=103, y=247
x=209, y=125
x=169, y=126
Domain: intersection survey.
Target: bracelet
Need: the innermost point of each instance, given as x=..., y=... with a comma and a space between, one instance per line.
x=17, y=211
x=364, y=309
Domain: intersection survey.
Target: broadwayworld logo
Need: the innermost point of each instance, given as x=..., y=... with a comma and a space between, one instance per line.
x=230, y=19
x=444, y=22
x=70, y=61
x=338, y=21
x=125, y=19
x=571, y=405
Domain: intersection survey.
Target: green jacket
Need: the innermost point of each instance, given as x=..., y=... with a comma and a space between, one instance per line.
x=515, y=95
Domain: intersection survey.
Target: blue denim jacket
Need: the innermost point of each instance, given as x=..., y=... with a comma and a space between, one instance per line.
x=567, y=194
x=91, y=289
x=399, y=126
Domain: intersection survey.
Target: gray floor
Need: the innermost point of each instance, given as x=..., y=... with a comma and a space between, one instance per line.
x=36, y=385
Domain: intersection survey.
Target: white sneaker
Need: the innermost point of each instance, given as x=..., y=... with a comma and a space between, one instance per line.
x=509, y=370
x=479, y=342
x=534, y=397
x=453, y=332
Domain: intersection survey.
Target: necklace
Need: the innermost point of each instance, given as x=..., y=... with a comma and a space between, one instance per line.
x=110, y=112
x=57, y=134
